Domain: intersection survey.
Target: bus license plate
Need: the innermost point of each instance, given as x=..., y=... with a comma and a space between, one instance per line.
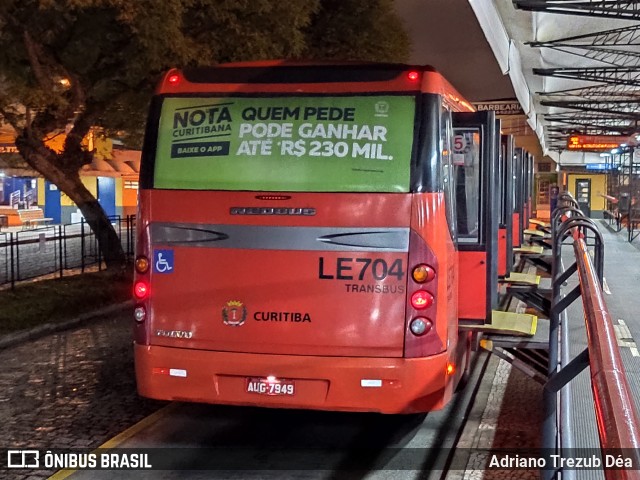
x=263, y=386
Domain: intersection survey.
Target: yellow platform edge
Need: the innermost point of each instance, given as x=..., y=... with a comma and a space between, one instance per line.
x=540, y=223
x=522, y=278
x=530, y=249
x=508, y=323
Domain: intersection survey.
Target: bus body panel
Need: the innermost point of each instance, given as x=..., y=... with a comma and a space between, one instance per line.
x=502, y=252
x=290, y=292
x=275, y=303
x=328, y=362
x=429, y=82
x=516, y=230
x=430, y=222
x=473, y=280
x=358, y=209
x=326, y=383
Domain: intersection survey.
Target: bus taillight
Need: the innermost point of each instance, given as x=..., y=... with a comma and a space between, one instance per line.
x=420, y=325
x=141, y=290
x=423, y=273
x=413, y=75
x=421, y=300
x=139, y=313
x=142, y=264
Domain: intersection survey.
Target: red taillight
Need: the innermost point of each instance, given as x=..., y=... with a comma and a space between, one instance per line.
x=413, y=76
x=173, y=79
x=421, y=300
x=141, y=290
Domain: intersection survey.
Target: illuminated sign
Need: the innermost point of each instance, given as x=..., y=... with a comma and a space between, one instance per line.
x=501, y=107
x=601, y=166
x=276, y=144
x=596, y=142
x=8, y=148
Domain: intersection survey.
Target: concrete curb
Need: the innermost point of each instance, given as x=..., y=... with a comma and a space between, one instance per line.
x=22, y=336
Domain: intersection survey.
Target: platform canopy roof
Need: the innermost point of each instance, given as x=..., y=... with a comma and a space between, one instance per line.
x=574, y=65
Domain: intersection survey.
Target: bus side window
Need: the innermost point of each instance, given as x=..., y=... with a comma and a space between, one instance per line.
x=466, y=161
x=446, y=138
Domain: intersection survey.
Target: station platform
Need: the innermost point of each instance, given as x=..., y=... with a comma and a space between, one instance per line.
x=577, y=424
x=621, y=280
x=527, y=354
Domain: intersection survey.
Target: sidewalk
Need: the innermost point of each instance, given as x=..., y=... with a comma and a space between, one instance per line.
x=71, y=389
x=69, y=228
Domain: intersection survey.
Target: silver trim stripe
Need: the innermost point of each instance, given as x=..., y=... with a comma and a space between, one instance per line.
x=280, y=238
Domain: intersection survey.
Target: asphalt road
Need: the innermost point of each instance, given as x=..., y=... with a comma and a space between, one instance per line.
x=241, y=442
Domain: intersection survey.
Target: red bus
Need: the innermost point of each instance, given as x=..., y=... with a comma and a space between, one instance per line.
x=296, y=238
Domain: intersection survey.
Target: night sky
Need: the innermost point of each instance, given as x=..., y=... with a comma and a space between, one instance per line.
x=446, y=35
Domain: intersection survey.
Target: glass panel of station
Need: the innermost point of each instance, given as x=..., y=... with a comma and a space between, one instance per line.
x=623, y=187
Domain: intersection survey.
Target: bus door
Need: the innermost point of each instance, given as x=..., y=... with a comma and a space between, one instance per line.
x=530, y=162
x=505, y=236
x=499, y=193
x=475, y=166
x=518, y=197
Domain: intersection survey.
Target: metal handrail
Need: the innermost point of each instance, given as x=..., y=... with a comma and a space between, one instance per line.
x=617, y=419
x=615, y=409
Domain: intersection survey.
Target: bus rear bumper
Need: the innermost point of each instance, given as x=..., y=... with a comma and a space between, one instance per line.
x=385, y=385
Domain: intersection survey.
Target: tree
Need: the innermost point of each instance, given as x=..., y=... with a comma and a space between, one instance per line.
x=69, y=65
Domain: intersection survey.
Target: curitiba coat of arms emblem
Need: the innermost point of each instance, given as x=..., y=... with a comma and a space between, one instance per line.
x=234, y=313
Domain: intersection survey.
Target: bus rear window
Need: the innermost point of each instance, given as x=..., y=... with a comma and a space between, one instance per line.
x=314, y=143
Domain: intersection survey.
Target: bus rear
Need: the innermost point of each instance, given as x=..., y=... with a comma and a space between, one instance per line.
x=294, y=244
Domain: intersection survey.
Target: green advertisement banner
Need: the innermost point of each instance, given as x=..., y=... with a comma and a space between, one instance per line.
x=316, y=144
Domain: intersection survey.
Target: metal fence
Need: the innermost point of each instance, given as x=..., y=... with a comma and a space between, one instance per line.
x=58, y=249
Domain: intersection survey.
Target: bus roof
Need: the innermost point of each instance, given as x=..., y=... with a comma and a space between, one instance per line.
x=288, y=77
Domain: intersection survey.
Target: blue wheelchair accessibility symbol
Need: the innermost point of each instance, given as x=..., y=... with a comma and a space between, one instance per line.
x=163, y=261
